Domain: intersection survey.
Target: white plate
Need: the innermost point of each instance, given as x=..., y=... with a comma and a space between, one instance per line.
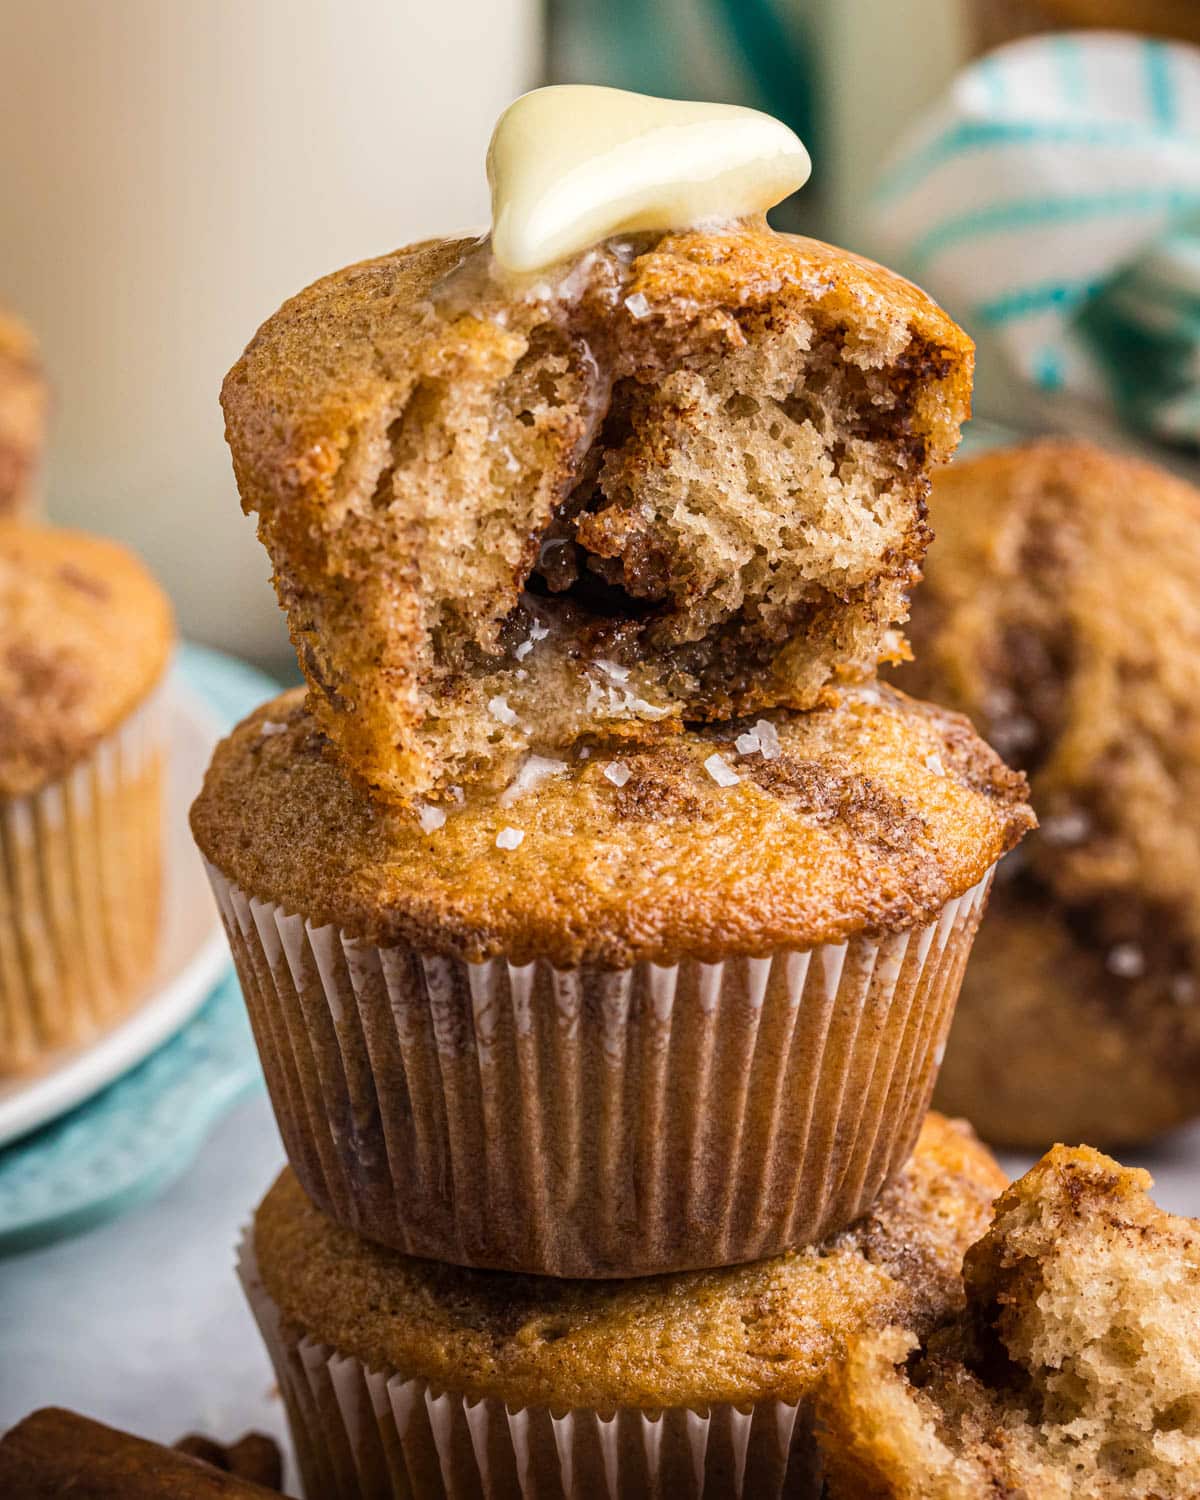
x=194, y=953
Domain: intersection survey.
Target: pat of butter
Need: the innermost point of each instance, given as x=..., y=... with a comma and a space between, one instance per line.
x=572, y=164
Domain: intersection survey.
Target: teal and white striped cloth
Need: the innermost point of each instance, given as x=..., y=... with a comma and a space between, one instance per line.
x=1051, y=201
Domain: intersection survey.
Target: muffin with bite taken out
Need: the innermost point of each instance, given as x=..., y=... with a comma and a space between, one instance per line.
x=1072, y=1370
x=681, y=478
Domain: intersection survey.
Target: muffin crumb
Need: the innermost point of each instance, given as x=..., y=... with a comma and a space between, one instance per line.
x=1074, y=1368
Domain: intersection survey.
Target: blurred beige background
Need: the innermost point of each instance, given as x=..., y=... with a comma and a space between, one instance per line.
x=170, y=171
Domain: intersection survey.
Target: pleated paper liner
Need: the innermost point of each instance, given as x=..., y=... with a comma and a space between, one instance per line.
x=590, y=1123
x=81, y=865
x=363, y=1434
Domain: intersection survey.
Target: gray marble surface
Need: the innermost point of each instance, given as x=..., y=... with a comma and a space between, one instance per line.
x=141, y=1322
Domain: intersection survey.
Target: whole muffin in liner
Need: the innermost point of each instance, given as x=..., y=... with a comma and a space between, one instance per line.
x=403, y=1377
x=84, y=640
x=693, y=1017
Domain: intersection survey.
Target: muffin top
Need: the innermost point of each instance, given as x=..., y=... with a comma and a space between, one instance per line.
x=1061, y=611
x=23, y=401
x=701, y=458
x=744, y=1333
x=84, y=635
x=1073, y=1369
x=864, y=815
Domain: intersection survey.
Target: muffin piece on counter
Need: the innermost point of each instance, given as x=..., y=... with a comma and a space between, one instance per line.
x=482, y=1375
x=653, y=1008
x=1073, y=1370
x=1061, y=611
x=23, y=403
x=682, y=478
x=85, y=634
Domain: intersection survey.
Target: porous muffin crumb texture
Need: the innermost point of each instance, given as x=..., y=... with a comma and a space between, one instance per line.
x=866, y=815
x=1074, y=1369
x=766, y=1330
x=1061, y=611
x=683, y=478
x=86, y=635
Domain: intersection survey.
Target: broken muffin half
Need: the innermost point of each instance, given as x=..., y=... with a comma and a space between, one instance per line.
x=1073, y=1371
x=683, y=478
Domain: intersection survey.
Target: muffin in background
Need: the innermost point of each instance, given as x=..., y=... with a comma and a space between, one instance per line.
x=23, y=402
x=998, y=21
x=407, y=1377
x=1061, y=611
x=85, y=634
x=1073, y=1369
x=652, y=1008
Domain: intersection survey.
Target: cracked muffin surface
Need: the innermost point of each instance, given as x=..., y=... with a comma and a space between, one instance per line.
x=681, y=478
x=1061, y=611
x=865, y=815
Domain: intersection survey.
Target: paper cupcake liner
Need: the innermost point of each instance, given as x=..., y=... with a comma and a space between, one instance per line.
x=362, y=1434
x=81, y=892
x=590, y=1123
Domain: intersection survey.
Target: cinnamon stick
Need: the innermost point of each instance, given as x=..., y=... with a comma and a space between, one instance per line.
x=55, y=1453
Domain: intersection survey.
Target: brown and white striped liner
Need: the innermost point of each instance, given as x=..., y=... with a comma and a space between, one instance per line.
x=593, y=1123
x=362, y=1434
x=80, y=893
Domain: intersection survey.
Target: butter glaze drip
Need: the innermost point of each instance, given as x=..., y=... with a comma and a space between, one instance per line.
x=574, y=164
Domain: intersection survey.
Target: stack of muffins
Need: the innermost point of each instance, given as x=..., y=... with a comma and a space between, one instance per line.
x=599, y=915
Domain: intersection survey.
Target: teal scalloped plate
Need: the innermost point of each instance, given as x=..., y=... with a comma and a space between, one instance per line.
x=127, y=1141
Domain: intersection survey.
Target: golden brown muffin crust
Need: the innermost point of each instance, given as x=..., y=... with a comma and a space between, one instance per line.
x=875, y=813
x=702, y=457
x=743, y=1334
x=85, y=633
x=310, y=380
x=1061, y=612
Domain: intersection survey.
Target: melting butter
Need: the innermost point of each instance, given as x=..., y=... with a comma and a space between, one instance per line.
x=572, y=164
